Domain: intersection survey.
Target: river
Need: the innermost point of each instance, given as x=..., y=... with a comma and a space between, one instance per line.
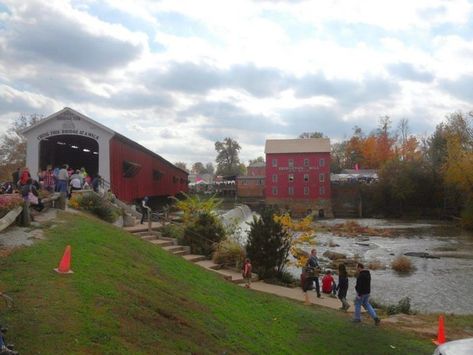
x=436, y=285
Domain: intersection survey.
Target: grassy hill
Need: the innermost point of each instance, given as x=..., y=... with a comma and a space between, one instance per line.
x=127, y=296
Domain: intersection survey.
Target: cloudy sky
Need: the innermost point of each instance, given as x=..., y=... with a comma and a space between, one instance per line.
x=178, y=75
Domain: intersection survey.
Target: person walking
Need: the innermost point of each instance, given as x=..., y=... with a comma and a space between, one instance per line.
x=311, y=274
x=246, y=272
x=363, y=289
x=144, y=208
x=62, y=179
x=342, y=286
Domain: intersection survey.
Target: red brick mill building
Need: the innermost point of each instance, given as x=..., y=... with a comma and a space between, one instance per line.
x=298, y=175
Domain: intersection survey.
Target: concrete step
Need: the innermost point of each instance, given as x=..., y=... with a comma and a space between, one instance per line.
x=149, y=237
x=155, y=233
x=181, y=252
x=194, y=258
x=176, y=248
x=208, y=264
x=162, y=243
x=143, y=227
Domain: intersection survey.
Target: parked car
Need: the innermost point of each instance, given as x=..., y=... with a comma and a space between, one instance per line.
x=456, y=347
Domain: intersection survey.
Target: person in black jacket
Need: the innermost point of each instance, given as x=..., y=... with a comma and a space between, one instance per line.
x=363, y=289
x=311, y=274
x=342, y=286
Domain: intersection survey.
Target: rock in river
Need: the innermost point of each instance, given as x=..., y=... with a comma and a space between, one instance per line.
x=334, y=255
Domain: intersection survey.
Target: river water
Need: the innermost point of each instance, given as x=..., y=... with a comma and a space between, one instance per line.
x=436, y=285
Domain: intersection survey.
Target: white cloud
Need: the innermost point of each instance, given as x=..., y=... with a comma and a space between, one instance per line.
x=246, y=69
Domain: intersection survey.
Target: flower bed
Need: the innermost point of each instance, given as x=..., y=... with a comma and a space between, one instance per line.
x=9, y=202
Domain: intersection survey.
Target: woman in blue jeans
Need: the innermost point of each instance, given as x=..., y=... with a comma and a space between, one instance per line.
x=363, y=289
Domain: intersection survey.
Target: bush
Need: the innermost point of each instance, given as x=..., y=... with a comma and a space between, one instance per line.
x=172, y=231
x=96, y=205
x=229, y=253
x=402, y=264
x=268, y=245
x=8, y=203
x=403, y=306
x=375, y=265
x=203, y=234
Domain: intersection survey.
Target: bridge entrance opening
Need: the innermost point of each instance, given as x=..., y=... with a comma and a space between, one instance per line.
x=75, y=151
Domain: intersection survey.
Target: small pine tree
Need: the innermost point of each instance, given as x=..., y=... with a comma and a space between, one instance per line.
x=268, y=245
x=203, y=234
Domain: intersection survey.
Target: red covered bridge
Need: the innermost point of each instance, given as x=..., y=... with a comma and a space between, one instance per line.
x=133, y=171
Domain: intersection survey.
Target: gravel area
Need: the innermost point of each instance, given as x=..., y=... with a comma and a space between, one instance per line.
x=14, y=236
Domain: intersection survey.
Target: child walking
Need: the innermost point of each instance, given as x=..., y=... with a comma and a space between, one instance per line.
x=246, y=272
x=342, y=286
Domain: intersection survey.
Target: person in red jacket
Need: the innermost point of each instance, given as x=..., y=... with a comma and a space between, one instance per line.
x=328, y=284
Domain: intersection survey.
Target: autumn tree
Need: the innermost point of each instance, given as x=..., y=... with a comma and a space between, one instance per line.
x=13, y=145
x=228, y=162
x=458, y=168
x=408, y=147
x=354, y=148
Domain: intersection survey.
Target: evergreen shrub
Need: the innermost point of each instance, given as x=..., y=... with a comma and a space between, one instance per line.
x=203, y=233
x=268, y=245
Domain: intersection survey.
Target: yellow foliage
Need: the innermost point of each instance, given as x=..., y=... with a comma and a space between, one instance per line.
x=301, y=232
x=74, y=202
x=459, y=166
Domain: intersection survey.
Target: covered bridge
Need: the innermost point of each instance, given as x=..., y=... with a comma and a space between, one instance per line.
x=131, y=170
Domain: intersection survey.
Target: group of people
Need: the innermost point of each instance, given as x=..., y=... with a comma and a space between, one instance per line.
x=66, y=179
x=63, y=179
x=59, y=179
x=310, y=275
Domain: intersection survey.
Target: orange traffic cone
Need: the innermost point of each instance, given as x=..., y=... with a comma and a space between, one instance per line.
x=65, y=263
x=441, y=332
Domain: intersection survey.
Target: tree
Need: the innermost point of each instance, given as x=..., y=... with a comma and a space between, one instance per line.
x=209, y=168
x=257, y=160
x=458, y=167
x=337, y=157
x=13, y=145
x=198, y=168
x=228, y=162
x=268, y=244
x=436, y=148
x=204, y=234
x=353, y=148
x=311, y=135
x=192, y=206
x=181, y=165
x=384, y=141
x=408, y=145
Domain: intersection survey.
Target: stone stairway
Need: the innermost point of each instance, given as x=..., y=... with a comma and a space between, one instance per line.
x=170, y=245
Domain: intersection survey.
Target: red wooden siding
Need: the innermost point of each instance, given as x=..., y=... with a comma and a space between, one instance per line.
x=304, y=164
x=172, y=181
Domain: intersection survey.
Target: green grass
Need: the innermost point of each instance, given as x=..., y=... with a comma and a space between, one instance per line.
x=127, y=296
